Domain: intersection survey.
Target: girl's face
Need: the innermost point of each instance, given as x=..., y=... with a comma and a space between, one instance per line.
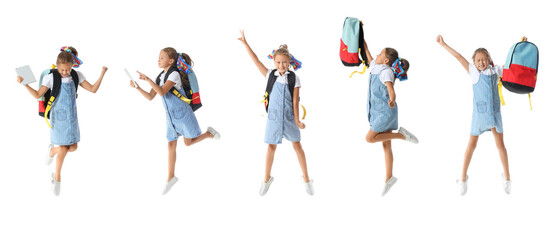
x=381, y=58
x=64, y=69
x=164, y=60
x=282, y=63
x=481, y=60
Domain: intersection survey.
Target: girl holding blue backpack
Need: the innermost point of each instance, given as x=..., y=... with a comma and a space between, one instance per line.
x=486, y=112
x=64, y=131
x=171, y=85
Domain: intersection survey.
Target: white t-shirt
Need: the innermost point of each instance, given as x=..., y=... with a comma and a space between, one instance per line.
x=474, y=73
x=283, y=79
x=384, y=71
x=173, y=77
x=49, y=79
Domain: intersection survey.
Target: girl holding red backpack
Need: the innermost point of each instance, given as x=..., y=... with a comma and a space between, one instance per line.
x=382, y=107
x=487, y=109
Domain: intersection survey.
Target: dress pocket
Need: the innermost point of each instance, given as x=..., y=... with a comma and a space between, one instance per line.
x=481, y=107
x=178, y=113
x=289, y=115
x=272, y=114
x=61, y=114
x=379, y=105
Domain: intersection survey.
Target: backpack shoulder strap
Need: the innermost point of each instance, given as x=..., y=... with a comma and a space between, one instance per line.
x=56, y=83
x=362, y=45
x=291, y=77
x=75, y=78
x=269, y=86
x=158, y=79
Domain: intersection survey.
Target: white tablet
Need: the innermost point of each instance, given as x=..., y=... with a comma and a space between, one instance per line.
x=130, y=76
x=27, y=74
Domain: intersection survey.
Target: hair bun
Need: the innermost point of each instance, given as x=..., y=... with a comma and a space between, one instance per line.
x=284, y=46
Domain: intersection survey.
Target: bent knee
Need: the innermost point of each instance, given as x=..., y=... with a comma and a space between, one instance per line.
x=188, y=142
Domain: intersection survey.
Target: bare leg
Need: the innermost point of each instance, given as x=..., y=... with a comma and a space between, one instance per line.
x=302, y=159
x=468, y=155
x=61, y=152
x=191, y=141
x=499, y=141
x=269, y=161
x=373, y=137
x=172, y=146
x=54, y=150
x=388, y=158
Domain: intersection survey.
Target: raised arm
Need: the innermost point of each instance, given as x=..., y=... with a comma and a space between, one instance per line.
x=369, y=56
x=93, y=88
x=296, y=108
x=36, y=94
x=454, y=53
x=252, y=55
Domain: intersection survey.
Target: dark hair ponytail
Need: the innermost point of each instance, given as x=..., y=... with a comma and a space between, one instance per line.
x=184, y=76
x=173, y=54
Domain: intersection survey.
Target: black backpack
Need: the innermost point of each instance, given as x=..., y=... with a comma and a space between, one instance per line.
x=272, y=79
x=194, y=103
x=46, y=102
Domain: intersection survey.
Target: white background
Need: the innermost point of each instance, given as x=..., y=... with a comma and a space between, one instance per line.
x=111, y=186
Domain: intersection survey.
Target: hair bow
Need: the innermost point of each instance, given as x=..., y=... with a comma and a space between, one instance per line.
x=296, y=64
x=182, y=65
x=398, y=69
x=77, y=61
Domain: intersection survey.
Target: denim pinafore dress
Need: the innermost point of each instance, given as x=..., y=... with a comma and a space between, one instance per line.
x=181, y=120
x=487, y=105
x=281, y=119
x=382, y=118
x=64, y=117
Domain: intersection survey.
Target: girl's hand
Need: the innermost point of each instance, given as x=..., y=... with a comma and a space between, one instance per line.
x=104, y=69
x=440, y=40
x=391, y=103
x=300, y=124
x=132, y=84
x=242, y=38
x=19, y=79
x=142, y=76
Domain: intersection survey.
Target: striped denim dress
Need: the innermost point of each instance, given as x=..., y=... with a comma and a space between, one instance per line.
x=181, y=120
x=487, y=106
x=382, y=118
x=64, y=117
x=281, y=119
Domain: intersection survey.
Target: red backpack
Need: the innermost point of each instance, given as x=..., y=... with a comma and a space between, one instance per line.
x=352, y=44
x=521, y=69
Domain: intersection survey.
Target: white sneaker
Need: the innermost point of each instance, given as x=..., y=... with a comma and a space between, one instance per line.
x=55, y=185
x=214, y=133
x=308, y=186
x=169, y=185
x=409, y=136
x=463, y=186
x=388, y=185
x=49, y=159
x=506, y=183
x=265, y=186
